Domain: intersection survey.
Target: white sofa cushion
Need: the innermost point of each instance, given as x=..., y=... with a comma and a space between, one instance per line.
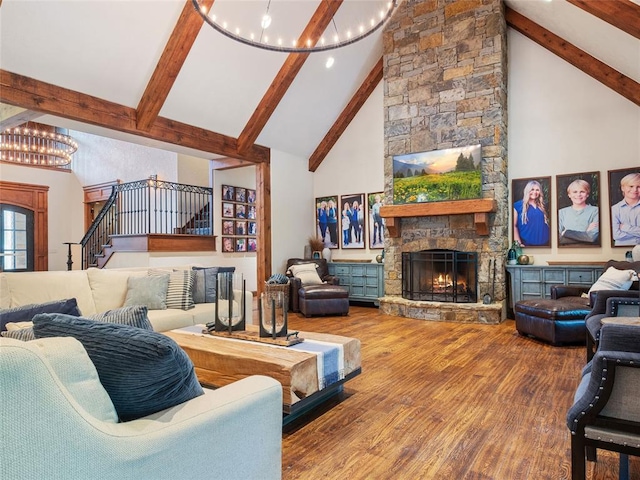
x=109, y=287
x=41, y=287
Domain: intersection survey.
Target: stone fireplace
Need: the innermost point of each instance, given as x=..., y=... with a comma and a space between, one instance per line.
x=445, y=67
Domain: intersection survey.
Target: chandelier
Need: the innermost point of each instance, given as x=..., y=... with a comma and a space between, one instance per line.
x=37, y=144
x=269, y=24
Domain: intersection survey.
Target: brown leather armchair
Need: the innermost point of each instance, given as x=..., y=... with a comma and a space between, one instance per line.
x=295, y=284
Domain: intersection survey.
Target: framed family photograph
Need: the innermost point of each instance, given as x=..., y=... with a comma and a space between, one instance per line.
x=241, y=194
x=251, y=196
x=327, y=213
x=531, y=211
x=578, y=207
x=241, y=228
x=227, y=245
x=227, y=227
x=228, y=210
x=376, y=222
x=624, y=202
x=253, y=229
x=241, y=211
x=228, y=192
x=352, y=223
x=241, y=244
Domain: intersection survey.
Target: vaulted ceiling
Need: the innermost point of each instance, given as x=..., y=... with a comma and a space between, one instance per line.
x=150, y=72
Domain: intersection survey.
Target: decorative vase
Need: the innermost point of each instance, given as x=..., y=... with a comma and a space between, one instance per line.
x=326, y=254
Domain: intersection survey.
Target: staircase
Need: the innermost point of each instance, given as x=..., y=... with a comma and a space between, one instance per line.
x=150, y=215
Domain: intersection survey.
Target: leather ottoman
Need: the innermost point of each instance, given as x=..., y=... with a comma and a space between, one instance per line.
x=555, y=321
x=323, y=300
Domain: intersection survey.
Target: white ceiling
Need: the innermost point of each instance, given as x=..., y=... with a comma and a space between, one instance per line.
x=109, y=49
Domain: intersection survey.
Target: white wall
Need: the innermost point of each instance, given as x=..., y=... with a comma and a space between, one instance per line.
x=66, y=211
x=562, y=121
x=354, y=165
x=101, y=159
x=193, y=171
x=292, y=208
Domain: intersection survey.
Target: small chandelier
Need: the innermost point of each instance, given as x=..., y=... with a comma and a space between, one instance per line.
x=37, y=144
x=251, y=26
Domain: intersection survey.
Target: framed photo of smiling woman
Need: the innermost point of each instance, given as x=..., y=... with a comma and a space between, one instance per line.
x=531, y=215
x=578, y=209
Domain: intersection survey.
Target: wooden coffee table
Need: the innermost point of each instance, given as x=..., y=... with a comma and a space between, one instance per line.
x=220, y=361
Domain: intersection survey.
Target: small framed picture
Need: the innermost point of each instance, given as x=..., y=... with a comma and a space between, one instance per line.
x=578, y=206
x=227, y=210
x=227, y=227
x=252, y=212
x=228, y=192
x=227, y=244
x=241, y=244
x=251, y=196
x=252, y=245
x=241, y=194
x=241, y=211
x=531, y=215
x=624, y=203
x=241, y=228
x=252, y=228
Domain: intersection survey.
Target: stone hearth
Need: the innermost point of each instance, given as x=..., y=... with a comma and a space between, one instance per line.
x=445, y=67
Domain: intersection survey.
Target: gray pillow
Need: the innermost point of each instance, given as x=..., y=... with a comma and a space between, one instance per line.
x=206, y=281
x=148, y=291
x=143, y=372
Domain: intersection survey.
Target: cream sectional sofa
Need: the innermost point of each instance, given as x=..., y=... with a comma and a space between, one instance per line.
x=97, y=290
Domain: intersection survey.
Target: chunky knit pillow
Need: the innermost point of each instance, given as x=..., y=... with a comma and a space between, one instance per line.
x=278, y=278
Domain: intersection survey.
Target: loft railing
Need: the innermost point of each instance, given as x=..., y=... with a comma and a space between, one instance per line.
x=146, y=207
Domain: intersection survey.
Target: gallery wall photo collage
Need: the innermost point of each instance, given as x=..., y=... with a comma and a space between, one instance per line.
x=239, y=227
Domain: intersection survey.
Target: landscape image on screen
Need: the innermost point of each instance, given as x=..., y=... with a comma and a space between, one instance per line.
x=450, y=174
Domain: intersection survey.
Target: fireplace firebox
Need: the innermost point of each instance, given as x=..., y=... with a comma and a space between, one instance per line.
x=440, y=276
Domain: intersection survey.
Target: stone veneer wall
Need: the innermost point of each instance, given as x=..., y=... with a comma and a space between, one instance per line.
x=445, y=85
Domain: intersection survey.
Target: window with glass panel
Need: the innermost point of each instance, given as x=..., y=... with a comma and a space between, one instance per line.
x=16, y=243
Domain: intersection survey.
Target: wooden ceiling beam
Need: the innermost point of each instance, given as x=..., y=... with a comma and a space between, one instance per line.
x=50, y=99
x=229, y=163
x=622, y=14
x=347, y=115
x=173, y=57
x=12, y=116
x=283, y=80
x=625, y=86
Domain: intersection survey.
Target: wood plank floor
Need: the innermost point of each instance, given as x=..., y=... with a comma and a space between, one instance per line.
x=442, y=401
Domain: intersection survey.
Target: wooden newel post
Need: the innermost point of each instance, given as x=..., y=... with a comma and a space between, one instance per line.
x=69, y=255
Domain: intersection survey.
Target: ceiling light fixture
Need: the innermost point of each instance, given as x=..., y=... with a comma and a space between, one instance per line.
x=37, y=144
x=354, y=20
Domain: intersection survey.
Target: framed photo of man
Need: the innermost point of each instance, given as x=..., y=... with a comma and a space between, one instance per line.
x=352, y=224
x=531, y=213
x=327, y=214
x=227, y=227
x=376, y=222
x=624, y=202
x=578, y=209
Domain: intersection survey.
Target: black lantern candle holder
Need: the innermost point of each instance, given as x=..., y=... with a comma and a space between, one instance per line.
x=230, y=302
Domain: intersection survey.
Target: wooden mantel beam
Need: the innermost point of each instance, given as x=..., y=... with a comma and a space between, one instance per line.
x=173, y=57
x=46, y=98
x=287, y=74
x=347, y=115
x=480, y=208
x=625, y=86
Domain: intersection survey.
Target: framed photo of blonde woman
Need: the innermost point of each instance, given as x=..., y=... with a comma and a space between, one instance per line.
x=531, y=212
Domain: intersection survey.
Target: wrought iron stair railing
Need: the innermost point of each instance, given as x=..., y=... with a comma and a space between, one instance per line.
x=146, y=207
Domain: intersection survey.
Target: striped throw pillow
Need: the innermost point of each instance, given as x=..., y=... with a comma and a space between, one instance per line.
x=179, y=291
x=134, y=316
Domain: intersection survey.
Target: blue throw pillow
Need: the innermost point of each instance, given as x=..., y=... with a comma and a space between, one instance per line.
x=25, y=313
x=142, y=371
